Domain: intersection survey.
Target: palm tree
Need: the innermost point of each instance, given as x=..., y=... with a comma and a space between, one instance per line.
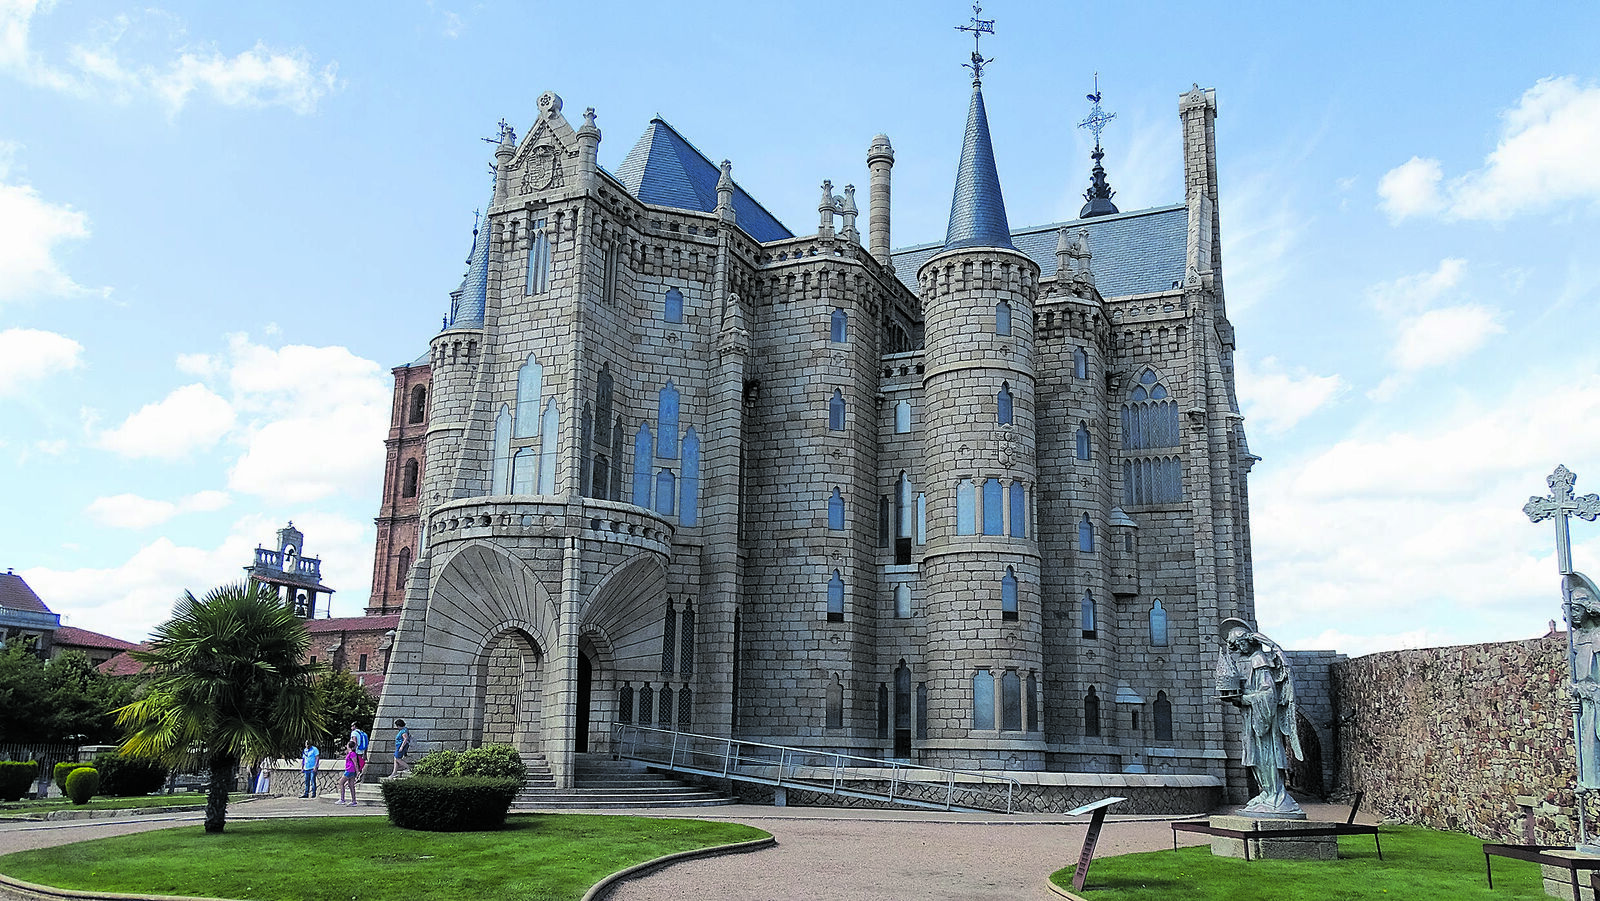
x=224, y=679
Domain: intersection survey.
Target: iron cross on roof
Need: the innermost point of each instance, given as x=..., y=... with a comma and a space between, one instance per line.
x=1097, y=117
x=1560, y=504
x=978, y=28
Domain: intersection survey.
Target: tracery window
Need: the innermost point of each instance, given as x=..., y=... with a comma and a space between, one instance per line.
x=1150, y=421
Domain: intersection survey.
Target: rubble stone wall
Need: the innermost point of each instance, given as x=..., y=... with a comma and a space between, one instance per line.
x=1453, y=737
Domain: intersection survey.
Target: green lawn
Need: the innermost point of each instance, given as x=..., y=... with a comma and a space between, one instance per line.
x=536, y=857
x=1418, y=865
x=34, y=806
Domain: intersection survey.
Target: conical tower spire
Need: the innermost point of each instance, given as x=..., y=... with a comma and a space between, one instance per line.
x=468, y=302
x=977, y=210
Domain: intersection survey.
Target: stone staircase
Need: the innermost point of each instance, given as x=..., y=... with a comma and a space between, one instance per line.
x=606, y=784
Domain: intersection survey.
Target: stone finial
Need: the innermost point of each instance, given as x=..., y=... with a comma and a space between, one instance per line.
x=826, y=210
x=725, y=192
x=1063, y=252
x=847, y=210
x=549, y=103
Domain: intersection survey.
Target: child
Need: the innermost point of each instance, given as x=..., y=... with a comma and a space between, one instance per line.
x=402, y=747
x=352, y=767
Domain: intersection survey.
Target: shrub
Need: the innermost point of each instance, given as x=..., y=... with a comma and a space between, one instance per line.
x=436, y=763
x=59, y=775
x=497, y=761
x=83, y=783
x=122, y=776
x=16, y=778
x=459, y=804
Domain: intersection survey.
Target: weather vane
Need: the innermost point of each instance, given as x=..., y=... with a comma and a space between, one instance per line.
x=1096, y=122
x=978, y=28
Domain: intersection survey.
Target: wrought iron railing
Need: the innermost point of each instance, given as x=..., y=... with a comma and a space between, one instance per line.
x=808, y=769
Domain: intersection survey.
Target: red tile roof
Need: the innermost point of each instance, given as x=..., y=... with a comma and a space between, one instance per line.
x=354, y=623
x=122, y=664
x=15, y=594
x=83, y=638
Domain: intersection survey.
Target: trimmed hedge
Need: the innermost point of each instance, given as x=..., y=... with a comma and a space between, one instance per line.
x=83, y=783
x=16, y=778
x=498, y=761
x=459, y=804
x=123, y=777
x=439, y=763
x=59, y=775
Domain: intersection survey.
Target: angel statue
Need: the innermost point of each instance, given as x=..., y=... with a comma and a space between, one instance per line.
x=1253, y=675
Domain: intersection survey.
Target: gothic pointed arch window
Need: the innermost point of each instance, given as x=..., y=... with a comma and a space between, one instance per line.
x=966, y=508
x=836, y=411
x=600, y=471
x=1163, y=717
x=686, y=640
x=551, y=424
x=1091, y=713
x=672, y=306
x=689, y=508
x=667, y=422
x=500, y=472
x=530, y=385
x=1080, y=363
x=625, y=703
x=836, y=510
x=1002, y=318
x=664, y=707
x=839, y=326
x=669, y=640
x=902, y=696
x=685, y=708
x=538, y=275
x=1158, y=624
x=1083, y=441
x=983, y=699
x=643, y=465
x=1085, y=535
x=835, y=705
x=1008, y=594
x=1017, y=501
x=836, y=598
x=1004, y=405
x=1088, y=615
x=1010, y=701
x=647, y=705
x=1150, y=423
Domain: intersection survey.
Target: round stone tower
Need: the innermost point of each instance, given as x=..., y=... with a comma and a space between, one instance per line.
x=981, y=569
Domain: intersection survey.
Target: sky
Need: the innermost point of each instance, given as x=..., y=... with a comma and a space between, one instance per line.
x=222, y=225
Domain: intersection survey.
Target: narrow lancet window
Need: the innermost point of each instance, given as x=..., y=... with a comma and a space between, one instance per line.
x=993, y=508
x=1017, y=500
x=1003, y=404
x=836, y=510
x=836, y=598
x=1008, y=595
x=1002, y=318
x=667, y=422
x=1083, y=441
x=547, y=447
x=1010, y=701
x=672, y=306
x=1158, y=624
x=902, y=417
x=1088, y=615
x=966, y=508
x=839, y=326
x=1085, y=535
x=530, y=385
x=643, y=465
x=500, y=472
x=1163, y=717
x=836, y=411
x=689, y=508
x=983, y=699
x=1091, y=714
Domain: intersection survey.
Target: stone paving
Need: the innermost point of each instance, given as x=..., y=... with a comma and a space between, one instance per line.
x=824, y=854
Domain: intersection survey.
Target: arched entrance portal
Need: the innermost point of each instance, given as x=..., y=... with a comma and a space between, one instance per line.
x=510, y=692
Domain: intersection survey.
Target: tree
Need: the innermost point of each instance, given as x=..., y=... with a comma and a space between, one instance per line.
x=61, y=700
x=225, y=680
x=344, y=700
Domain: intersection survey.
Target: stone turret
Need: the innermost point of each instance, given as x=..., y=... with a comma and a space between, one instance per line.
x=588, y=148
x=725, y=194
x=982, y=566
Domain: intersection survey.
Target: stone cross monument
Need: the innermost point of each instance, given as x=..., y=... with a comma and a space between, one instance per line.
x=1581, y=608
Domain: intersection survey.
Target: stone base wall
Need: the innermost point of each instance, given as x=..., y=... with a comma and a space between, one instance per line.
x=1450, y=738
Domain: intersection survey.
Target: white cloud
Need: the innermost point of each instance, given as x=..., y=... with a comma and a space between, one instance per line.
x=1544, y=158
x=191, y=418
x=1277, y=398
x=31, y=231
x=1415, y=293
x=31, y=355
x=1443, y=336
x=130, y=511
x=1411, y=189
x=129, y=599
x=175, y=74
x=1425, y=524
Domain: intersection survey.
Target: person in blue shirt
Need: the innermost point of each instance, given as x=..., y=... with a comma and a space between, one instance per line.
x=308, y=766
x=402, y=747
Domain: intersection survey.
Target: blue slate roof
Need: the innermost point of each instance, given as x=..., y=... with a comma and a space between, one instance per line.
x=666, y=170
x=977, y=209
x=467, y=303
x=1133, y=253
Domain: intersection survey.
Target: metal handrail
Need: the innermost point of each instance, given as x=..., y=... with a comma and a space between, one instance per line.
x=832, y=771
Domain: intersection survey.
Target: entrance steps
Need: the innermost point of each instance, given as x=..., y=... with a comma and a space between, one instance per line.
x=606, y=784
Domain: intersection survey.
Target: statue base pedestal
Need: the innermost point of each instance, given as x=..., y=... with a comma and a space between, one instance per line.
x=1558, y=880
x=1278, y=847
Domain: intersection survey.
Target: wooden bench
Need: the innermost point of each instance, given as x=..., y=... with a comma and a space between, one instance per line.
x=1536, y=854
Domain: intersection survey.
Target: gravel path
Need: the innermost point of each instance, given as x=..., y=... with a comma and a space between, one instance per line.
x=821, y=854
